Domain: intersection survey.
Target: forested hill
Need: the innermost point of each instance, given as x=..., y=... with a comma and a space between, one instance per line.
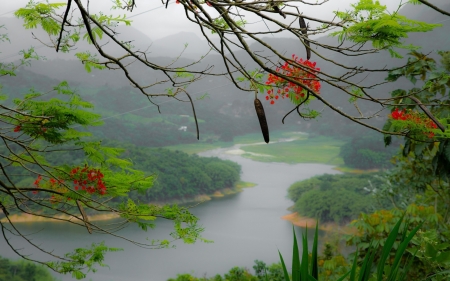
x=182, y=176
x=179, y=176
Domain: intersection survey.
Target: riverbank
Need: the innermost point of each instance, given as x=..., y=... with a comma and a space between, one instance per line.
x=239, y=187
x=306, y=222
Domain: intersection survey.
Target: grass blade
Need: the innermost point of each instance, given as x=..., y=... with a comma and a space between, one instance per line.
x=354, y=266
x=367, y=264
x=314, y=266
x=295, y=259
x=387, y=249
x=305, y=264
x=286, y=274
x=401, y=249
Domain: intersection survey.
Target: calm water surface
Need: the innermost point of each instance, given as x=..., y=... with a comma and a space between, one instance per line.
x=244, y=227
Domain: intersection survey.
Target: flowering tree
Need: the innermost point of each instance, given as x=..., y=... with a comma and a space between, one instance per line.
x=364, y=30
x=41, y=127
x=367, y=22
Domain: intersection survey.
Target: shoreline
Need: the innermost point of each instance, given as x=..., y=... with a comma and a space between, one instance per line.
x=306, y=222
x=27, y=218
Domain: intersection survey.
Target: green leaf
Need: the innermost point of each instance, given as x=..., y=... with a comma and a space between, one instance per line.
x=286, y=274
x=295, y=258
x=314, y=256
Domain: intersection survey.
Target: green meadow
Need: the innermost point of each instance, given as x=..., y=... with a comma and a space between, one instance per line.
x=303, y=150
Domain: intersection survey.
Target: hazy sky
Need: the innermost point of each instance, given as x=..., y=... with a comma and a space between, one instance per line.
x=160, y=22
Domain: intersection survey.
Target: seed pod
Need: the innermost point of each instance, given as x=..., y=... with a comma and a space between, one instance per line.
x=262, y=119
x=304, y=29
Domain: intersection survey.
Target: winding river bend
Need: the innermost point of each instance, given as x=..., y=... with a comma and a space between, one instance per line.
x=244, y=227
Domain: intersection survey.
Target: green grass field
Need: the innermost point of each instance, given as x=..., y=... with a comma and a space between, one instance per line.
x=274, y=136
x=194, y=148
x=246, y=139
x=307, y=150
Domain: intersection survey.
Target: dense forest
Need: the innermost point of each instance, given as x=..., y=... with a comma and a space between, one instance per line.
x=334, y=198
x=23, y=271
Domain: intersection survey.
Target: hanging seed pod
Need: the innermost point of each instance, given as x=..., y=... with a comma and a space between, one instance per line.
x=304, y=29
x=262, y=119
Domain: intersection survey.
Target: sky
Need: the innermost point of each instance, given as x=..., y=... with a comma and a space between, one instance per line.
x=157, y=22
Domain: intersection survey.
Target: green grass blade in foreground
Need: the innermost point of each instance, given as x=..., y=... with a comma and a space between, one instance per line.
x=295, y=259
x=354, y=266
x=305, y=257
x=387, y=249
x=401, y=250
x=286, y=274
x=364, y=272
x=314, y=257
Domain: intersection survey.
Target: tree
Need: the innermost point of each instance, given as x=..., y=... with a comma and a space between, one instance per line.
x=367, y=22
x=297, y=78
x=367, y=29
x=36, y=130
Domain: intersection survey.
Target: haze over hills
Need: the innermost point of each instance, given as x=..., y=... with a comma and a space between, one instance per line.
x=162, y=52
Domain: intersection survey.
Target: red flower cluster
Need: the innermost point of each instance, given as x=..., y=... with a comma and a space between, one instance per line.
x=89, y=180
x=17, y=129
x=36, y=183
x=307, y=77
x=415, y=117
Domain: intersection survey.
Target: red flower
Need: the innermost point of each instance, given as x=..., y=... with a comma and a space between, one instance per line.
x=17, y=129
x=36, y=182
x=178, y=1
x=208, y=3
x=272, y=102
x=398, y=115
x=302, y=71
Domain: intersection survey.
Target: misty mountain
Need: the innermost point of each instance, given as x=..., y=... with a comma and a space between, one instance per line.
x=234, y=101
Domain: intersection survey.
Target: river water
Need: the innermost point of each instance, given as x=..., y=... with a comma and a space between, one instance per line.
x=244, y=227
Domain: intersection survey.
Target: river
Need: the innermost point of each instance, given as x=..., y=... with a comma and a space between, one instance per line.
x=244, y=227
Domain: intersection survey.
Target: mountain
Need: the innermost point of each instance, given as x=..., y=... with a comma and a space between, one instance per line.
x=164, y=50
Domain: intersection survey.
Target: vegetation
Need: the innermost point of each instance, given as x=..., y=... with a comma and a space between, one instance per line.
x=40, y=124
x=38, y=127
x=334, y=198
x=305, y=150
x=367, y=152
x=23, y=271
x=273, y=272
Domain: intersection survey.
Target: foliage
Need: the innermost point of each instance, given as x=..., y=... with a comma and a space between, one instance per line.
x=433, y=81
x=23, y=271
x=338, y=198
x=367, y=21
x=273, y=272
x=305, y=267
x=180, y=175
x=427, y=251
x=367, y=152
x=370, y=22
x=38, y=127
